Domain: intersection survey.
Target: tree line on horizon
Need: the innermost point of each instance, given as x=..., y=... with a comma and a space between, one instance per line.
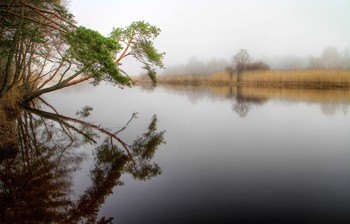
x=330, y=58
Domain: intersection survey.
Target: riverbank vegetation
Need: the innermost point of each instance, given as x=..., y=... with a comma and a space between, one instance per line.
x=330, y=70
x=280, y=78
x=305, y=78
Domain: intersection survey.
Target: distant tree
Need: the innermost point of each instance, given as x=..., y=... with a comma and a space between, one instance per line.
x=240, y=61
x=230, y=69
x=331, y=58
x=314, y=62
x=194, y=66
x=257, y=65
x=346, y=58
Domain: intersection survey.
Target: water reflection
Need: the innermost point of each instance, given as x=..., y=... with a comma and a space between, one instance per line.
x=244, y=103
x=41, y=155
x=246, y=98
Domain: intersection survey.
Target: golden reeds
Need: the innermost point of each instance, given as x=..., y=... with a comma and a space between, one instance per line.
x=9, y=111
x=337, y=76
x=309, y=78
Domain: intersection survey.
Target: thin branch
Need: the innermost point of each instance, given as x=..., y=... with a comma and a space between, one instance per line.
x=127, y=123
x=75, y=82
x=126, y=48
x=60, y=85
x=53, y=75
x=133, y=82
x=64, y=123
x=49, y=12
x=47, y=104
x=52, y=21
x=36, y=21
x=58, y=117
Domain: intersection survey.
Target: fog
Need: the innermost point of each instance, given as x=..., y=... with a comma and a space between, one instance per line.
x=208, y=29
x=330, y=58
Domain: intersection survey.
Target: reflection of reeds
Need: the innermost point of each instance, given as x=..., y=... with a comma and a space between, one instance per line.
x=306, y=95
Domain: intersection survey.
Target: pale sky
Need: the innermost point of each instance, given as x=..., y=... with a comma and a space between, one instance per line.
x=219, y=28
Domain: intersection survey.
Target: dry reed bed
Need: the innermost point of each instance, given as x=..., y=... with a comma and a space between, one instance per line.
x=290, y=76
x=321, y=79
x=9, y=111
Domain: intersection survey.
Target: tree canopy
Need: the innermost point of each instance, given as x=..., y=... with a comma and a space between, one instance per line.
x=43, y=49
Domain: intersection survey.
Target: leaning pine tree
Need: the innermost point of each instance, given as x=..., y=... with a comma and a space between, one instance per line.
x=43, y=50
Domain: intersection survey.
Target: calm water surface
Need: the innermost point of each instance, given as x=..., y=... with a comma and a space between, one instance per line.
x=231, y=156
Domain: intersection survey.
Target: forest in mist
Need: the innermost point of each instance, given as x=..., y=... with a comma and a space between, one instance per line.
x=330, y=58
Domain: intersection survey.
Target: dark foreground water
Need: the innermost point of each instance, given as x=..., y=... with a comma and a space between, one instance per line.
x=231, y=156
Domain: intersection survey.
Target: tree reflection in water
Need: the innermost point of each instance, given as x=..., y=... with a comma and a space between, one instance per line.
x=244, y=104
x=36, y=181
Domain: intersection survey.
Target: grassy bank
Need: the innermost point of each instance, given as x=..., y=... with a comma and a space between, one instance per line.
x=318, y=79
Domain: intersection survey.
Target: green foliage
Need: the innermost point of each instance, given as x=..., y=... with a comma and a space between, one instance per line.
x=96, y=54
x=151, y=53
x=151, y=73
x=107, y=153
x=139, y=29
x=146, y=145
x=84, y=112
x=143, y=150
x=139, y=37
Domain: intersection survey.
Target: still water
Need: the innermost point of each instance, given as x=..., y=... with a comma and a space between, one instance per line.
x=228, y=155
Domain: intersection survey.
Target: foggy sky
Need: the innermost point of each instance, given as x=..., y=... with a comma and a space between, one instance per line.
x=219, y=28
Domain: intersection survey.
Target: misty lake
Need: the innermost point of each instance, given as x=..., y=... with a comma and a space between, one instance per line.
x=230, y=155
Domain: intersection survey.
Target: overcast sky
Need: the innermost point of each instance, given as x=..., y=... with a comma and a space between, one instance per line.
x=219, y=28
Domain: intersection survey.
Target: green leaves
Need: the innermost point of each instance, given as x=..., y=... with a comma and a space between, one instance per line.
x=138, y=39
x=151, y=53
x=95, y=54
x=146, y=145
x=140, y=29
x=84, y=112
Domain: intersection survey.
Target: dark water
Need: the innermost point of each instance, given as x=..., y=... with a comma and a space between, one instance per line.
x=231, y=156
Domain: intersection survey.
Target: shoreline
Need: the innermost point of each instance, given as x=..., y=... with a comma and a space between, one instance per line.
x=295, y=79
x=260, y=84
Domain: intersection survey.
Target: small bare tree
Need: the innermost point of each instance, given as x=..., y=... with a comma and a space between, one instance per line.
x=230, y=69
x=240, y=62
